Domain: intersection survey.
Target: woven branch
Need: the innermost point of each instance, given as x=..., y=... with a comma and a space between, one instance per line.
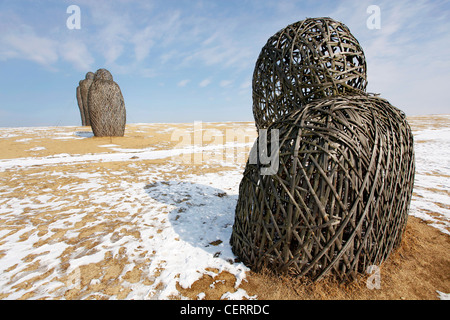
x=310, y=59
x=106, y=107
x=339, y=202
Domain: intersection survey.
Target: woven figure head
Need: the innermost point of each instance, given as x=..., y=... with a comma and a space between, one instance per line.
x=310, y=59
x=339, y=201
x=103, y=74
x=90, y=75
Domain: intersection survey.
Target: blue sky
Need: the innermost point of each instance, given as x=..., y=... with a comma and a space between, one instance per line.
x=193, y=60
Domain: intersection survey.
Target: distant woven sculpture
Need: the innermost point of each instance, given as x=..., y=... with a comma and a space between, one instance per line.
x=339, y=202
x=80, y=106
x=84, y=91
x=106, y=106
x=310, y=59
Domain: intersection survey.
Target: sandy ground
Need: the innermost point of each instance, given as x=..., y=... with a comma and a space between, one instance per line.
x=85, y=218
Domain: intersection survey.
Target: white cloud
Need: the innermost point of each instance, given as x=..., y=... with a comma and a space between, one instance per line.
x=407, y=58
x=111, y=28
x=205, y=83
x=112, y=44
x=159, y=31
x=143, y=42
x=24, y=44
x=29, y=47
x=225, y=83
x=411, y=48
x=183, y=83
x=228, y=55
x=246, y=84
x=148, y=73
x=78, y=54
x=168, y=56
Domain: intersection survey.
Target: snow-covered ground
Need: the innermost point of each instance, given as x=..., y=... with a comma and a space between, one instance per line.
x=136, y=223
x=142, y=228
x=431, y=198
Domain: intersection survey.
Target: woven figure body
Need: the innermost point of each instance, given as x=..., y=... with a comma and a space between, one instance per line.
x=106, y=106
x=310, y=59
x=339, y=201
x=84, y=91
x=80, y=106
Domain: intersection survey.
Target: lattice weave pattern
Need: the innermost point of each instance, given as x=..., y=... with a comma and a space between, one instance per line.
x=339, y=202
x=106, y=106
x=310, y=59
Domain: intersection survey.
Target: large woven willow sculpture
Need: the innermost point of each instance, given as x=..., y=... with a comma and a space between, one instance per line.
x=339, y=201
x=106, y=106
x=310, y=59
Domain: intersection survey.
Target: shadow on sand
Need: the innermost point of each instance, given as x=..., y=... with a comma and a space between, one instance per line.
x=84, y=134
x=203, y=216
